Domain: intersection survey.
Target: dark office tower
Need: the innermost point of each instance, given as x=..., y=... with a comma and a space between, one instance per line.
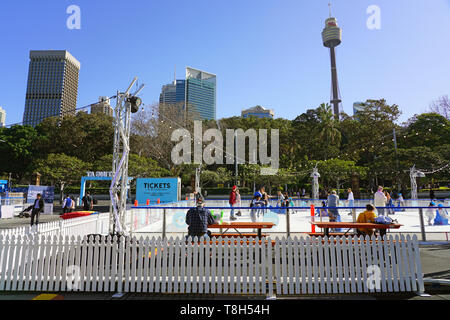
x=332, y=37
x=52, y=86
x=173, y=93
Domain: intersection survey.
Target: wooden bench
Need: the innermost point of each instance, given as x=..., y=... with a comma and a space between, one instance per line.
x=237, y=235
x=354, y=225
x=332, y=234
x=242, y=225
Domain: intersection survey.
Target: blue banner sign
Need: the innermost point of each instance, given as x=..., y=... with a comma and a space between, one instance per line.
x=48, y=193
x=167, y=190
x=3, y=186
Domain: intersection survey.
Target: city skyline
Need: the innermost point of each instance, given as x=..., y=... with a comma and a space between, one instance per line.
x=271, y=57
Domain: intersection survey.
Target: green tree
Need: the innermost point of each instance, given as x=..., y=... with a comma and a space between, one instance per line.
x=61, y=170
x=16, y=150
x=334, y=172
x=329, y=132
x=208, y=177
x=138, y=167
x=87, y=137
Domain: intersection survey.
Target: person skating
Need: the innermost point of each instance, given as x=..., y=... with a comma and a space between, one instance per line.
x=380, y=200
x=232, y=202
x=431, y=213
x=350, y=200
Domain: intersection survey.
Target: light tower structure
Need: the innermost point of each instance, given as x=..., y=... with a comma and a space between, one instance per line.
x=126, y=104
x=315, y=185
x=332, y=37
x=414, y=174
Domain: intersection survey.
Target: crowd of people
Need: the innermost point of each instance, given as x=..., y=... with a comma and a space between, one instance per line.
x=383, y=205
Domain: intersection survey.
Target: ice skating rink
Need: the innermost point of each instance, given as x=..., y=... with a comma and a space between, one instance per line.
x=150, y=221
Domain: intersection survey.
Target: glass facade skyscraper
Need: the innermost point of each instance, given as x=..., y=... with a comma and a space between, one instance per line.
x=173, y=93
x=52, y=87
x=201, y=93
x=197, y=94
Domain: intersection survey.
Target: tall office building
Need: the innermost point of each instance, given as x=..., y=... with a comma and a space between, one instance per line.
x=103, y=106
x=2, y=117
x=358, y=107
x=196, y=94
x=258, y=112
x=201, y=94
x=52, y=86
x=173, y=93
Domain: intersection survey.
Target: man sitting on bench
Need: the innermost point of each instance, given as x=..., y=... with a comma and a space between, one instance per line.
x=198, y=219
x=367, y=216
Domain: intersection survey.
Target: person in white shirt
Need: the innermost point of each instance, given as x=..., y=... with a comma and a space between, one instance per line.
x=431, y=213
x=401, y=201
x=280, y=200
x=350, y=200
x=380, y=201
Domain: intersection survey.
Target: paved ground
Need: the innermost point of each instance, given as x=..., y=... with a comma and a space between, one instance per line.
x=103, y=206
x=434, y=294
x=435, y=260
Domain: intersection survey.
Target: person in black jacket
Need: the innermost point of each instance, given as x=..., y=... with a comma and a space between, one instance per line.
x=198, y=219
x=38, y=207
x=88, y=202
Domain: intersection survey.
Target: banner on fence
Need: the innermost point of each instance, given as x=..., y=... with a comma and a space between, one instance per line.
x=48, y=193
x=166, y=190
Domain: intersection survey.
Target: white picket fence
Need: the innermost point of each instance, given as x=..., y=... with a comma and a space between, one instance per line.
x=95, y=224
x=283, y=266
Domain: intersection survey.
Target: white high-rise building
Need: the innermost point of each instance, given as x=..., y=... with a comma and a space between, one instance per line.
x=102, y=106
x=2, y=117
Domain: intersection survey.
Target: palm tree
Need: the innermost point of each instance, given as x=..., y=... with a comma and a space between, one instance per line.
x=328, y=130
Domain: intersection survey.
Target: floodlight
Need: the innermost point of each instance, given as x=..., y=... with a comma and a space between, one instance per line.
x=135, y=103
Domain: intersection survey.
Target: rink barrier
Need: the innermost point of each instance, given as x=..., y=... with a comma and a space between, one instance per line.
x=292, y=266
x=94, y=224
x=133, y=223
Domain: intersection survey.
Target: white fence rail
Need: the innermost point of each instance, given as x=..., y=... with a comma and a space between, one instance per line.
x=284, y=266
x=95, y=224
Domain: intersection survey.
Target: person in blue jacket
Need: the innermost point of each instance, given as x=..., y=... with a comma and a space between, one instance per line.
x=441, y=216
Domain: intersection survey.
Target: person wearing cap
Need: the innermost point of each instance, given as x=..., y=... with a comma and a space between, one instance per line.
x=232, y=201
x=430, y=213
x=256, y=205
x=441, y=216
x=380, y=200
x=333, y=204
x=198, y=219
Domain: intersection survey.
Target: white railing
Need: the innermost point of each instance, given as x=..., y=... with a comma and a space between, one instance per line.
x=283, y=266
x=94, y=224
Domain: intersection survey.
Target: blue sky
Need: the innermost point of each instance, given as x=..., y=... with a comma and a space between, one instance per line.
x=266, y=52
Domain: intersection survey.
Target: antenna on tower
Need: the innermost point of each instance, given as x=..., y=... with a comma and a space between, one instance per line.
x=329, y=5
x=175, y=75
